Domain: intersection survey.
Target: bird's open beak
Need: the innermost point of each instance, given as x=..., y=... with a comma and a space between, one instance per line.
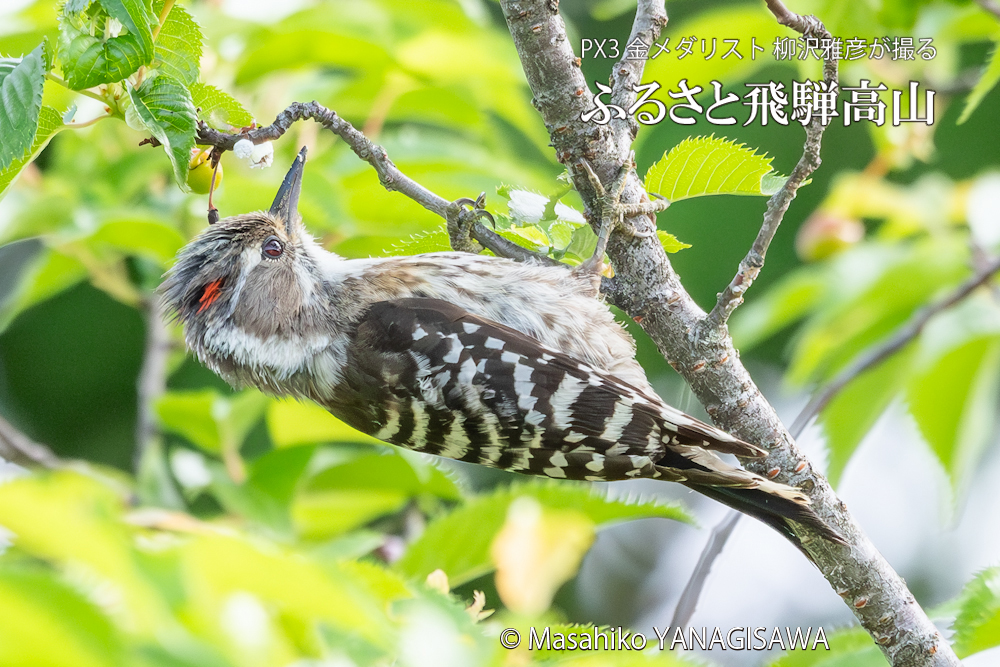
x=286, y=203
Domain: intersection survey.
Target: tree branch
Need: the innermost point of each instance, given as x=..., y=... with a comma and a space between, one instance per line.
x=898, y=341
x=18, y=448
x=990, y=6
x=389, y=175
x=688, y=601
x=152, y=381
x=778, y=204
x=647, y=288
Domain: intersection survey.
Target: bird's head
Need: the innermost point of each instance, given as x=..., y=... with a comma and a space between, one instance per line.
x=247, y=289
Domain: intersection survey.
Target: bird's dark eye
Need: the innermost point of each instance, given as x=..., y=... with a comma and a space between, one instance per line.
x=273, y=248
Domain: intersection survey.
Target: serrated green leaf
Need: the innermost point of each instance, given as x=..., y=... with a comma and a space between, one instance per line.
x=977, y=625
x=459, y=543
x=434, y=240
x=852, y=413
x=701, y=166
x=88, y=60
x=165, y=107
x=49, y=122
x=177, y=53
x=218, y=108
x=20, y=105
x=670, y=242
x=989, y=78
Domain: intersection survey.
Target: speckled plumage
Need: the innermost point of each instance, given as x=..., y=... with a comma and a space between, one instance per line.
x=511, y=365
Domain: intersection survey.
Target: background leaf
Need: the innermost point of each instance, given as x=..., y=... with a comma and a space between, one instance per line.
x=459, y=543
x=20, y=105
x=977, y=625
x=989, y=78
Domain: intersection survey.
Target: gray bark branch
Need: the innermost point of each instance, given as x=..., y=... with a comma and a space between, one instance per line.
x=697, y=347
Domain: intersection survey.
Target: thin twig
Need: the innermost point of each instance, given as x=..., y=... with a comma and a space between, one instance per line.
x=18, y=448
x=167, y=6
x=688, y=601
x=390, y=176
x=778, y=204
x=899, y=340
x=152, y=381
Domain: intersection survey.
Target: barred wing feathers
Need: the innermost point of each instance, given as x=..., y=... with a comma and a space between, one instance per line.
x=429, y=376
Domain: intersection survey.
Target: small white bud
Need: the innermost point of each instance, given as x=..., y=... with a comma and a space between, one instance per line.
x=243, y=149
x=262, y=155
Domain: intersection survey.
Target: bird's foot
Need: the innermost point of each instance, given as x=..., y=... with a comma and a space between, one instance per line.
x=463, y=215
x=614, y=214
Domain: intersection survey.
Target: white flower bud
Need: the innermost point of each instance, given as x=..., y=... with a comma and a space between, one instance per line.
x=243, y=149
x=262, y=155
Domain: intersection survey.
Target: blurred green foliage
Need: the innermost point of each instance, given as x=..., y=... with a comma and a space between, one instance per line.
x=260, y=532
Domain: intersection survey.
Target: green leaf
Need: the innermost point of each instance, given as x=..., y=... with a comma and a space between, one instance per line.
x=848, y=648
x=49, y=122
x=873, y=289
x=291, y=423
x=670, y=242
x=711, y=166
x=977, y=625
x=785, y=303
x=849, y=416
x=297, y=586
x=349, y=495
x=531, y=237
x=165, y=107
x=459, y=543
x=178, y=46
x=952, y=396
x=20, y=106
x=217, y=108
x=989, y=78
x=89, y=60
x=51, y=273
x=144, y=238
x=137, y=17
x=433, y=240
x=68, y=518
x=209, y=419
x=45, y=622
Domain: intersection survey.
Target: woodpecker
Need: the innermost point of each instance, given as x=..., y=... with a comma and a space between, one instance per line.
x=512, y=365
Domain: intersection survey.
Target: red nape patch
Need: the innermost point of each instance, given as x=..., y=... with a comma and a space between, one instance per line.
x=210, y=295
